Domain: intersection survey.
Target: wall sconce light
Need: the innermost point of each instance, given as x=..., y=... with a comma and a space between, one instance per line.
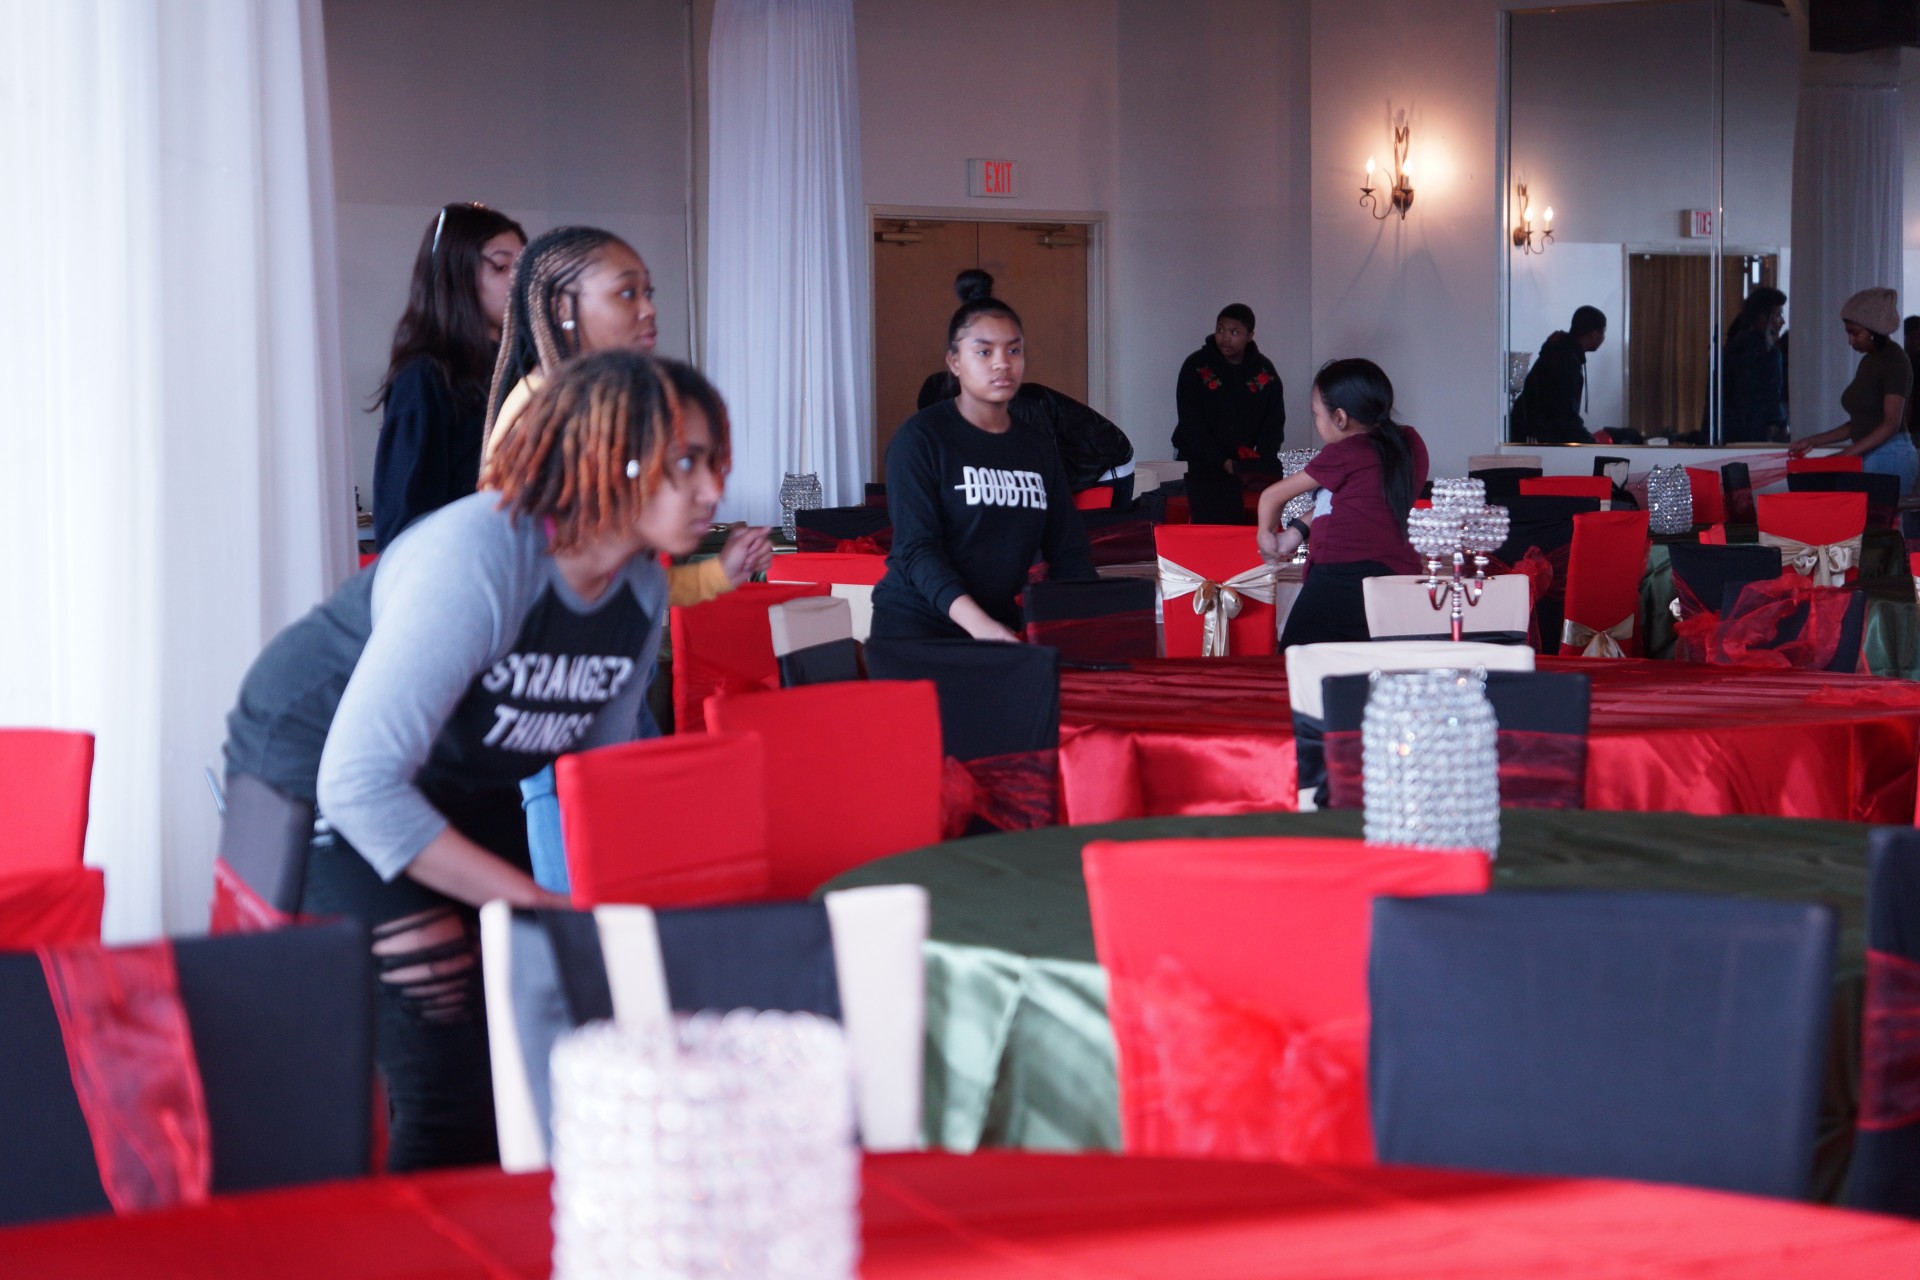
x=1401, y=198
x=1525, y=238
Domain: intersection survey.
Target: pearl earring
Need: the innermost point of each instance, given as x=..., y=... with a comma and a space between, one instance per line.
x=566, y=324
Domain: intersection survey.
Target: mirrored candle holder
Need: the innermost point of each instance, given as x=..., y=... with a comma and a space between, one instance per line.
x=1431, y=760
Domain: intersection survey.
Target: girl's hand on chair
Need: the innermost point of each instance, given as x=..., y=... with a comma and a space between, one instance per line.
x=748, y=552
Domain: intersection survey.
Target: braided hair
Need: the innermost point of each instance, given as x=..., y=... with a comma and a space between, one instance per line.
x=531, y=337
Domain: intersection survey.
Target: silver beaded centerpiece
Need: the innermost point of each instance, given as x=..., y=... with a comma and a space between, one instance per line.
x=723, y=1146
x=1669, y=500
x=1431, y=760
x=1300, y=506
x=798, y=492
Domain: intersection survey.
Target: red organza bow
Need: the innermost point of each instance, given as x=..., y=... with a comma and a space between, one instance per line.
x=131, y=1056
x=1224, y=1078
x=1015, y=792
x=1541, y=570
x=866, y=546
x=1755, y=632
x=1112, y=637
x=1890, y=1043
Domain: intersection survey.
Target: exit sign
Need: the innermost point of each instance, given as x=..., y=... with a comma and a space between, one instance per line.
x=1697, y=224
x=990, y=177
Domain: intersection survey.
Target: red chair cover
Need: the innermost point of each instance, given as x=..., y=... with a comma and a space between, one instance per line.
x=51, y=908
x=130, y=1053
x=1098, y=498
x=1709, y=497
x=727, y=643
x=1566, y=487
x=668, y=822
x=1238, y=995
x=1605, y=562
x=45, y=775
x=864, y=568
x=1818, y=519
x=855, y=773
x=1217, y=552
x=1830, y=462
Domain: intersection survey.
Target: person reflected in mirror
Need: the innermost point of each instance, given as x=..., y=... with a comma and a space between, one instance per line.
x=1876, y=400
x=1910, y=342
x=1095, y=452
x=1369, y=468
x=1753, y=404
x=1551, y=405
x=1232, y=418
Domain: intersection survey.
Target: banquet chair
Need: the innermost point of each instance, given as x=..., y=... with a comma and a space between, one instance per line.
x=666, y=822
x=47, y=895
x=1809, y=464
x=849, y=577
x=1605, y=563
x=1736, y=489
x=1883, y=491
x=1542, y=719
x=1309, y=665
x=848, y=530
x=1713, y=499
x=726, y=643
x=1237, y=987
x=1498, y=461
x=999, y=726
x=1539, y=531
x=1701, y=574
x=856, y=957
x=875, y=495
x=813, y=641
x=1094, y=623
x=1884, y=1175
x=1399, y=608
x=260, y=870
x=1792, y=622
x=1661, y=1037
x=854, y=773
x=1616, y=470
x=1121, y=535
x=1502, y=482
x=1596, y=486
x=1818, y=534
x=1198, y=563
x=281, y=1031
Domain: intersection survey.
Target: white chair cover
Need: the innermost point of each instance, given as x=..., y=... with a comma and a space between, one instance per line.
x=1399, y=606
x=809, y=621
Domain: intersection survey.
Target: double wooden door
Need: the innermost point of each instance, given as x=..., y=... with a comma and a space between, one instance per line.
x=1039, y=269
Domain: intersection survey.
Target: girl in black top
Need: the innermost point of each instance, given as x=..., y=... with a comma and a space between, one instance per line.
x=976, y=496
x=435, y=392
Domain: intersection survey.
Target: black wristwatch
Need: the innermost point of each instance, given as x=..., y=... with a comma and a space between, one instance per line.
x=1304, y=529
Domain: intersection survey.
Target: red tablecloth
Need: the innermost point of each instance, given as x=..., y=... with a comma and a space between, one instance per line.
x=1007, y=1216
x=1199, y=736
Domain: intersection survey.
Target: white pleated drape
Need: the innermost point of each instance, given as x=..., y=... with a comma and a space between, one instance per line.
x=1848, y=172
x=786, y=316
x=175, y=436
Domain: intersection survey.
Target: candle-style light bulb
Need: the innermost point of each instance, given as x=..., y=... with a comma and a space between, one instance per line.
x=1406, y=170
x=1549, y=214
x=1526, y=213
x=1369, y=170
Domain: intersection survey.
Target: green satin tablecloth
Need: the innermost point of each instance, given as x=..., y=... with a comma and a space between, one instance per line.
x=1019, y=1052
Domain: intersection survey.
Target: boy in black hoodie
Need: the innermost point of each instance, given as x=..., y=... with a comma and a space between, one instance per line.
x=1233, y=418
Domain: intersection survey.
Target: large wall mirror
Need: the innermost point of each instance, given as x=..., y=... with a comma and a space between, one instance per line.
x=1623, y=119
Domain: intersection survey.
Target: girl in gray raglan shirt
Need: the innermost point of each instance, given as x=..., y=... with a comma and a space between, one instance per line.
x=496, y=634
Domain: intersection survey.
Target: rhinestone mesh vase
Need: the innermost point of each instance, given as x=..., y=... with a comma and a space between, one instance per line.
x=798, y=492
x=721, y=1146
x=1669, y=500
x=1431, y=761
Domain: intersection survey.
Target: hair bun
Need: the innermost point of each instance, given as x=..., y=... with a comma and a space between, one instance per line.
x=973, y=284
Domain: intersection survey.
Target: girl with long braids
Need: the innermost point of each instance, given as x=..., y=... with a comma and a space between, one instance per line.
x=578, y=290
x=505, y=629
x=1371, y=467
x=433, y=400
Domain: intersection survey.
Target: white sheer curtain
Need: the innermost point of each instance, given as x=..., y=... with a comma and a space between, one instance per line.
x=1848, y=175
x=175, y=441
x=786, y=317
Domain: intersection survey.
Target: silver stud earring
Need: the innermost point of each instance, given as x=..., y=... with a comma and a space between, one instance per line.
x=566, y=324
x=633, y=468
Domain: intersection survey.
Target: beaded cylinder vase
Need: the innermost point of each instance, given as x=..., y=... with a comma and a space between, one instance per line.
x=1669, y=500
x=1431, y=760
x=798, y=492
x=722, y=1146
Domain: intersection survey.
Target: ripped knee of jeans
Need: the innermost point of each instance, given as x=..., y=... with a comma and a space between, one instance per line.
x=431, y=961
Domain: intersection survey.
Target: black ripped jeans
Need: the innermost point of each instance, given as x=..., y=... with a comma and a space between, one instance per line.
x=430, y=1037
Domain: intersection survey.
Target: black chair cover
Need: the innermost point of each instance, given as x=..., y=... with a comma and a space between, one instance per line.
x=995, y=699
x=1885, y=1173
x=1705, y=571
x=1096, y=623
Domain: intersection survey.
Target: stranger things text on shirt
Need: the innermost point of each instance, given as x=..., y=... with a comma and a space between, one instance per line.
x=582, y=679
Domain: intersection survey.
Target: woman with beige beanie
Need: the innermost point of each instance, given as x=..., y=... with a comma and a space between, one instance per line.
x=1876, y=400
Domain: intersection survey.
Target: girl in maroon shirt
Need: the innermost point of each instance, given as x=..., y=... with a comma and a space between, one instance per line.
x=1371, y=468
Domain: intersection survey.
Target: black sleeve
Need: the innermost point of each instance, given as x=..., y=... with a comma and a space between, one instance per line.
x=1272, y=437
x=913, y=500
x=1064, y=545
x=1090, y=444
x=412, y=467
x=1190, y=436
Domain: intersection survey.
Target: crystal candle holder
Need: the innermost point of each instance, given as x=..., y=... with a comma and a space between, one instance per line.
x=1669, y=500
x=798, y=493
x=721, y=1146
x=1431, y=760
x=1434, y=533
x=1459, y=493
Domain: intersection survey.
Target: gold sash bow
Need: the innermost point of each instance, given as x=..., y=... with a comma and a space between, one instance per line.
x=1823, y=564
x=1217, y=603
x=1597, y=643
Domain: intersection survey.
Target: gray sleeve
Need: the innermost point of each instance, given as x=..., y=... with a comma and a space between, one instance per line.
x=442, y=600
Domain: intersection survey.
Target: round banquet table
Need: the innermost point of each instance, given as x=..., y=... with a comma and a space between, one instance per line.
x=1189, y=736
x=1007, y=1216
x=1019, y=1051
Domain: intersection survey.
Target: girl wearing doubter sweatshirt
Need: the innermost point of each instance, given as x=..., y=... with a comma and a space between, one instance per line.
x=976, y=496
